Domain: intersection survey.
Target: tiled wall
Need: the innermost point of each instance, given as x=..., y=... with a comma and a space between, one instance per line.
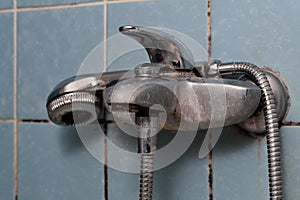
x=44, y=42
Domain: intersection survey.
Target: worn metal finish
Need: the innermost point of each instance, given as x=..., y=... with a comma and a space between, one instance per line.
x=88, y=82
x=161, y=47
x=180, y=97
x=176, y=91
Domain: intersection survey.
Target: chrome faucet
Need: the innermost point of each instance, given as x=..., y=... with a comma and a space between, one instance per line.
x=255, y=99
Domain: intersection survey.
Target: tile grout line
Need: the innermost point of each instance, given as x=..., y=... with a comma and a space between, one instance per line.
x=126, y=1
x=289, y=123
x=101, y=121
x=104, y=35
x=47, y=121
x=209, y=44
x=6, y=10
x=16, y=188
x=6, y=120
x=72, y=5
x=105, y=168
x=51, y=7
x=209, y=37
x=210, y=175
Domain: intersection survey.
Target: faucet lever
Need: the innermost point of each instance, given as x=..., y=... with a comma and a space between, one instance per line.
x=161, y=47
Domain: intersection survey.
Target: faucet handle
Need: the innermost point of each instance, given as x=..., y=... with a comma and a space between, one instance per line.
x=161, y=47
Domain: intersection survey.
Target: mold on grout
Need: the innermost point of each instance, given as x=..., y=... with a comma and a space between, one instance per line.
x=210, y=175
x=105, y=162
x=290, y=123
x=35, y=121
x=209, y=44
x=209, y=37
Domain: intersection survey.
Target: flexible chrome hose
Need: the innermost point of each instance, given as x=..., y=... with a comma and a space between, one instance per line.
x=146, y=176
x=147, y=147
x=271, y=121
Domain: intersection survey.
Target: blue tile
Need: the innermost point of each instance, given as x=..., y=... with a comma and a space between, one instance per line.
x=52, y=46
x=34, y=3
x=186, y=178
x=290, y=137
x=121, y=185
x=6, y=66
x=157, y=14
x=7, y=161
x=164, y=14
x=4, y=4
x=53, y=163
x=262, y=32
x=240, y=167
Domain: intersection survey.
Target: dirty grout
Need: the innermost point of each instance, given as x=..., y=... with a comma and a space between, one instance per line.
x=209, y=46
x=105, y=164
x=105, y=170
x=15, y=86
x=210, y=175
x=100, y=121
x=290, y=123
x=34, y=121
x=209, y=37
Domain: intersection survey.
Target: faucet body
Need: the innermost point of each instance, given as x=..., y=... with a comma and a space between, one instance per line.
x=189, y=94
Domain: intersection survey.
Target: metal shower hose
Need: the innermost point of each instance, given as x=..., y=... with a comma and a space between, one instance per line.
x=271, y=121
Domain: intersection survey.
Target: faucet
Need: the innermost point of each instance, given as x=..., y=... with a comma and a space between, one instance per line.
x=254, y=98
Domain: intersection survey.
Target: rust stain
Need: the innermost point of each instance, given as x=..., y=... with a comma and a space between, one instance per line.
x=209, y=43
x=209, y=37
